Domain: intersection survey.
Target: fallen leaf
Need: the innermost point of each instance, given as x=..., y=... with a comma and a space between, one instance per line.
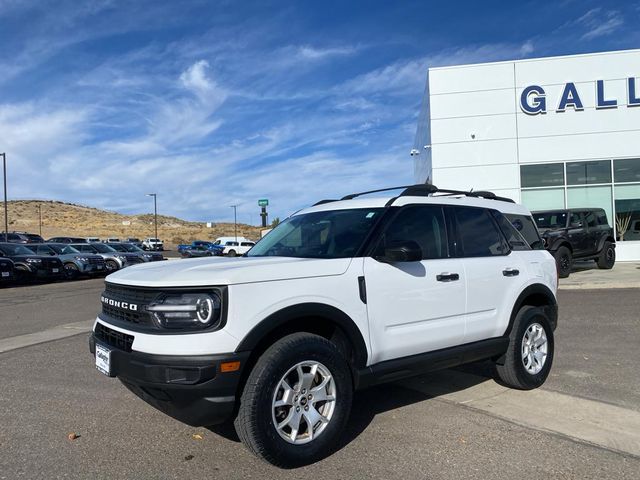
x=188, y=457
x=197, y=436
x=73, y=436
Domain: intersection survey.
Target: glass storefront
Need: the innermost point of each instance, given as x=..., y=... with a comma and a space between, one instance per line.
x=613, y=185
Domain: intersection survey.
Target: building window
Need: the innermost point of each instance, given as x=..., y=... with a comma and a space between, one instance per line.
x=591, y=197
x=585, y=173
x=543, y=199
x=545, y=175
x=627, y=170
x=627, y=200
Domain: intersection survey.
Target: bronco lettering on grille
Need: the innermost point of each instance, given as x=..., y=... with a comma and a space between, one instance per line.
x=118, y=304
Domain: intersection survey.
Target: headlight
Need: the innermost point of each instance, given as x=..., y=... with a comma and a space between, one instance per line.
x=120, y=257
x=187, y=310
x=34, y=260
x=146, y=255
x=82, y=259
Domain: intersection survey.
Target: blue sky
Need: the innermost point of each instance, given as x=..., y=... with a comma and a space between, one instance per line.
x=218, y=103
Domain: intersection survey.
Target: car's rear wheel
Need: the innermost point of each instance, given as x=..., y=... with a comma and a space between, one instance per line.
x=232, y=253
x=564, y=261
x=607, y=258
x=296, y=401
x=529, y=357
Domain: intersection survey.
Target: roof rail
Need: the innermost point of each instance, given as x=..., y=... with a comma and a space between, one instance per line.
x=423, y=190
x=322, y=202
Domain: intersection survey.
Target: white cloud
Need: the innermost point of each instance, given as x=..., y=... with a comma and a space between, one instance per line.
x=599, y=23
x=313, y=53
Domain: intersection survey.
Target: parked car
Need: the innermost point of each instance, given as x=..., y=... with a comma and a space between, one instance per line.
x=31, y=237
x=215, y=249
x=75, y=263
x=131, y=248
x=14, y=238
x=112, y=240
x=338, y=297
x=93, y=239
x=134, y=241
x=152, y=244
x=233, y=249
x=7, y=271
x=67, y=240
x=196, y=251
x=114, y=260
x=577, y=234
x=30, y=266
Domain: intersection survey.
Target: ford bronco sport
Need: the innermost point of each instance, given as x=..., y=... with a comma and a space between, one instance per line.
x=340, y=296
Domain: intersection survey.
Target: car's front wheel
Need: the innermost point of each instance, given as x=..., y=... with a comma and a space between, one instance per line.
x=529, y=356
x=296, y=401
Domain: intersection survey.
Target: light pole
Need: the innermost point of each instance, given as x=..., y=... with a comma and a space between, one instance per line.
x=235, y=221
x=155, y=211
x=40, y=215
x=6, y=210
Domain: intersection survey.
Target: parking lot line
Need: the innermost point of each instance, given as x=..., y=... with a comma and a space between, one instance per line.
x=55, y=333
x=601, y=424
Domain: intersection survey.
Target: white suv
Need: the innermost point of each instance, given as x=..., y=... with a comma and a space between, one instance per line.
x=233, y=248
x=152, y=244
x=338, y=297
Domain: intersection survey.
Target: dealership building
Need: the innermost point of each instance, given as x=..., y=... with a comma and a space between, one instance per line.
x=558, y=132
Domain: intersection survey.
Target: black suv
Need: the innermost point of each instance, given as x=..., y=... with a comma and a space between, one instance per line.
x=7, y=273
x=577, y=233
x=67, y=240
x=31, y=266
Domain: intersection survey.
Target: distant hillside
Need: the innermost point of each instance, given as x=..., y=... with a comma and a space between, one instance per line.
x=59, y=218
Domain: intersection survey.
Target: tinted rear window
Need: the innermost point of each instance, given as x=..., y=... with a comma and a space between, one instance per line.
x=527, y=228
x=478, y=235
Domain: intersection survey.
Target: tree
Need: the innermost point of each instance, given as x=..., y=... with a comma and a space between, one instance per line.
x=275, y=222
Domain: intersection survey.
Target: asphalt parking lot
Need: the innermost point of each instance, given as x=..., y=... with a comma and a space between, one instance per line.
x=455, y=424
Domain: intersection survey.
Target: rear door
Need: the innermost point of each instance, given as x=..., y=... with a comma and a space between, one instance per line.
x=415, y=307
x=494, y=272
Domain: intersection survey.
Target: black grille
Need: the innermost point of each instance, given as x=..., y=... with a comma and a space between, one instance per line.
x=95, y=260
x=130, y=295
x=134, y=259
x=113, y=337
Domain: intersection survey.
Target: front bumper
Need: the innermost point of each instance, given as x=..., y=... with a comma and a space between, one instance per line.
x=191, y=389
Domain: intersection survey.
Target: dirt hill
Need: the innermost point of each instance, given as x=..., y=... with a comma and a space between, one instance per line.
x=59, y=218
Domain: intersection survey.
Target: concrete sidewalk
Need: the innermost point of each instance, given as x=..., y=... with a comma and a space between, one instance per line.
x=587, y=275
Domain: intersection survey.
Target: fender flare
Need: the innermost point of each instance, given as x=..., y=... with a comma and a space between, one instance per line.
x=540, y=291
x=603, y=239
x=560, y=242
x=308, y=310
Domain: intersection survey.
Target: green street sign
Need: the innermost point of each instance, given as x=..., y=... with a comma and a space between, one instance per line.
x=263, y=202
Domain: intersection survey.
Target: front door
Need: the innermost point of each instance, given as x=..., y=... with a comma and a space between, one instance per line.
x=415, y=307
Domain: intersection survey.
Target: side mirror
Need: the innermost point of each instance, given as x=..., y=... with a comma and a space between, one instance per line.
x=407, y=251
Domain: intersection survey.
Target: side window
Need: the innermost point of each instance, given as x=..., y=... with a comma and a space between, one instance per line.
x=424, y=224
x=527, y=228
x=477, y=233
x=575, y=220
x=515, y=240
x=601, y=217
x=590, y=219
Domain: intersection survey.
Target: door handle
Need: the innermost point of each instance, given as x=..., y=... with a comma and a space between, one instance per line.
x=510, y=272
x=447, y=277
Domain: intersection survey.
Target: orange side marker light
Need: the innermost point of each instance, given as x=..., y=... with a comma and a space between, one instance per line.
x=229, y=367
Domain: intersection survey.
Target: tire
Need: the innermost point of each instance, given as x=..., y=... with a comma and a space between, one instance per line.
x=111, y=265
x=522, y=369
x=257, y=416
x=232, y=253
x=607, y=258
x=72, y=271
x=564, y=261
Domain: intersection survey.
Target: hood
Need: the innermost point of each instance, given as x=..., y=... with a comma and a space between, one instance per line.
x=227, y=271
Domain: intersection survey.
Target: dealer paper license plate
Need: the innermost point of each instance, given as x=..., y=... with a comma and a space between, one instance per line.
x=5, y=274
x=103, y=359
x=54, y=270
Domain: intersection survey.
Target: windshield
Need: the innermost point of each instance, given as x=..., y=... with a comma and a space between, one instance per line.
x=102, y=248
x=550, y=219
x=118, y=247
x=10, y=249
x=127, y=247
x=329, y=234
x=63, y=249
